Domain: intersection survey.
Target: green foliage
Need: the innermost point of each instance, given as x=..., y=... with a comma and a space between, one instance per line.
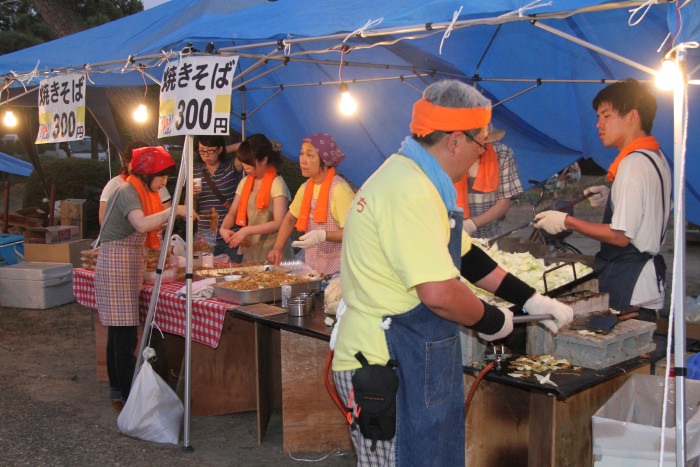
x=74, y=178
x=28, y=28
x=11, y=41
x=291, y=173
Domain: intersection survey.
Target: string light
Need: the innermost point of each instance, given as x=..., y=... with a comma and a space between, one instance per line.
x=348, y=106
x=669, y=75
x=10, y=119
x=141, y=113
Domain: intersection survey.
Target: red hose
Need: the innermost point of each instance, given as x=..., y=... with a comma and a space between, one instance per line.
x=331, y=388
x=472, y=390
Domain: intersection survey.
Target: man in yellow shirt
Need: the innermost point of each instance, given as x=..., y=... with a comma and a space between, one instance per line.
x=402, y=255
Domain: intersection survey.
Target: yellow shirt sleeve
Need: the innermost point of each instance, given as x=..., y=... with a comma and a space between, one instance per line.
x=340, y=202
x=295, y=207
x=279, y=188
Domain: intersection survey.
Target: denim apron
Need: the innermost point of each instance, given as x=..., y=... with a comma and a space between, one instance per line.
x=622, y=266
x=431, y=380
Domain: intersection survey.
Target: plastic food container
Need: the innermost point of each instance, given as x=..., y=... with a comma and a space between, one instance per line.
x=168, y=275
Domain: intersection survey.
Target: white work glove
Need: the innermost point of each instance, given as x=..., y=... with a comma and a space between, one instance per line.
x=551, y=222
x=543, y=305
x=505, y=330
x=310, y=239
x=339, y=312
x=600, y=197
x=469, y=226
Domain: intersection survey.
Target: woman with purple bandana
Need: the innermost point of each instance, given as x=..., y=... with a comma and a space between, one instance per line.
x=319, y=207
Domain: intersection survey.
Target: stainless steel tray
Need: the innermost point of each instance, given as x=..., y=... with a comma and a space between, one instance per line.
x=219, y=273
x=271, y=294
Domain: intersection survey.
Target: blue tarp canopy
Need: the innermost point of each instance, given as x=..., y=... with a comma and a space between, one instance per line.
x=541, y=63
x=13, y=165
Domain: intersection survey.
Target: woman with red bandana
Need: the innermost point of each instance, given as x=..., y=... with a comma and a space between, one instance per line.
x=261, y=202
x=133, y=217
x=636, y=208
x=319, y=207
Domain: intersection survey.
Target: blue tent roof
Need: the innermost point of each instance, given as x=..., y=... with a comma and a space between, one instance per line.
x=542, y=84
x=14, y=166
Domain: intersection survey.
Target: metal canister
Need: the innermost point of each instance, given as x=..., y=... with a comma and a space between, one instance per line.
x=297, y=307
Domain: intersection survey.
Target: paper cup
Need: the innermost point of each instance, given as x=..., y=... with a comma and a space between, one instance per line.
x=197, y=183
x=207, y=260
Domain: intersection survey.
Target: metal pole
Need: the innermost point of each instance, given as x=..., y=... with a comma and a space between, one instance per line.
x=678, y=288
x=161, y=263
x=187, y=158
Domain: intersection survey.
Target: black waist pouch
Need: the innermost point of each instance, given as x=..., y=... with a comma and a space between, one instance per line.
x=375, y=388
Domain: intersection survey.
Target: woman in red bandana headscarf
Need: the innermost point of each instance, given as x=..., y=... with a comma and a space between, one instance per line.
x=133, y=216
x=319, y=207
x=261, y=201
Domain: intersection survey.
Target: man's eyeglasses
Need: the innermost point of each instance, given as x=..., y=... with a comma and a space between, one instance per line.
x=483, y=147
x=208, y=152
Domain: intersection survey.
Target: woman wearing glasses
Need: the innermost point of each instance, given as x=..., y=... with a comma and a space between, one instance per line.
x=261, y=202
x=220, y=177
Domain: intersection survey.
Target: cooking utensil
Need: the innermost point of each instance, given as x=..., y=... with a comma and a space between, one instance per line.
x=490, y=242
x=601, y=323
x=573, y=203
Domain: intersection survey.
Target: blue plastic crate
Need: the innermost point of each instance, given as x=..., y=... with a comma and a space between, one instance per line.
x=11, y=249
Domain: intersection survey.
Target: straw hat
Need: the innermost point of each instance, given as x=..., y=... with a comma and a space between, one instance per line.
x=495, y=134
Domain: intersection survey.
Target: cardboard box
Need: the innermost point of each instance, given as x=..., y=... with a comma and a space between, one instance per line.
x=66, y=252
x=73, y=213
x=50, y=235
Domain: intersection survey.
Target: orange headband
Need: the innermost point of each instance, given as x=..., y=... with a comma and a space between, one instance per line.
x=428, y=117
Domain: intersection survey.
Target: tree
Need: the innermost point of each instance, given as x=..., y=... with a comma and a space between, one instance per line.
x=24, y=23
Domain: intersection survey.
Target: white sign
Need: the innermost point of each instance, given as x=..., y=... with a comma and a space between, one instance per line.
x=195, y=96
x=61, y=109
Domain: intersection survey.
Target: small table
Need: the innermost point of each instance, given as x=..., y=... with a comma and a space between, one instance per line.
x=514, y=422
x=310, y=419
x=223, y=372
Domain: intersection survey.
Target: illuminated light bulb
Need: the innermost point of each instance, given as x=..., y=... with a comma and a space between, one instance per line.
x=348, y=106
x=668, y=76
x=10, y=119
x=141, y=113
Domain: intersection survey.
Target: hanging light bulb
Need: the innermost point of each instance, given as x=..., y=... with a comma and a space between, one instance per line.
x=141, y=113
x=348, y=106
x=668, y=76
x=10, y=119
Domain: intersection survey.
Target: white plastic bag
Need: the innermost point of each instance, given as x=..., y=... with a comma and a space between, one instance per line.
x=153, y=412
x=627, y=428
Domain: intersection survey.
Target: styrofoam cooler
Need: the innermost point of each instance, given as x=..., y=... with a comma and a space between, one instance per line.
x=36, y=285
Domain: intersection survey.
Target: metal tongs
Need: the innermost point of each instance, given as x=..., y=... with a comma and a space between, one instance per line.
x=490, y=242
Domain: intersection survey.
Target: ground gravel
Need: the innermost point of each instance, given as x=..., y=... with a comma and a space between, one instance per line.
x=53, y=411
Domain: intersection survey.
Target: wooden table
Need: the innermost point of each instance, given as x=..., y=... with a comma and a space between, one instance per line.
x=223, y=371
x=311, y=422
x=519, y=423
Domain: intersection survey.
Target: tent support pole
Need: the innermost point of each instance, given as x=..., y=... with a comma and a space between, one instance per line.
x=261, y=61
x=273, y=69
x=243, y=114
x=595, y=48
x=678, y=287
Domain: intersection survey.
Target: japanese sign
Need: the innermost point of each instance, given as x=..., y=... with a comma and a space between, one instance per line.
x=195, y=96
x=61, y=109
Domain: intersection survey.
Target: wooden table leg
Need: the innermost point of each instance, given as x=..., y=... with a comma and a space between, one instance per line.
x=310, y=420
x=267, y=357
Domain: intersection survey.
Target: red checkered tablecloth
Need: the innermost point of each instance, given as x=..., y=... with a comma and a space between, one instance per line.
x=207, y=315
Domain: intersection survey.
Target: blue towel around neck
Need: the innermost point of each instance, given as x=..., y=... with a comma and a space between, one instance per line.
x=444, y=185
